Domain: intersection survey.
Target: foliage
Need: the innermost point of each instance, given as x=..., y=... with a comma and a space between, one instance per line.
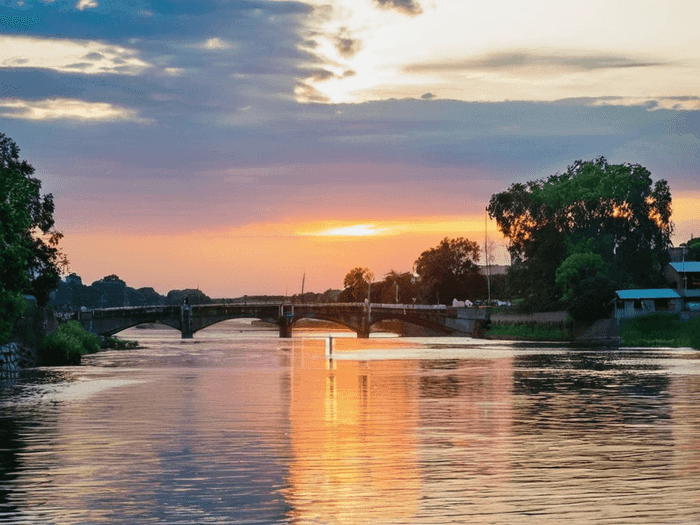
x=693, y=246
x=396, y=287
x=67, y=342
x=12, y=306
x=449, y=271
x=587, y=288
x=356, y=285
x=119, y=344
x=30, y=260
x=614, y=211
x=661, y=329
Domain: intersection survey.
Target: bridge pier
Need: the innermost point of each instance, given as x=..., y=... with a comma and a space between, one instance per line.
x=285, y=329
x=186, y=321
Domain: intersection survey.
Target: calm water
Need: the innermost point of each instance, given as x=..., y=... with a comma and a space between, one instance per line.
x=243, y=427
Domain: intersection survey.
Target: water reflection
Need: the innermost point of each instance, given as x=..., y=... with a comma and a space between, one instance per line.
x=253, y=429
x=353, y=439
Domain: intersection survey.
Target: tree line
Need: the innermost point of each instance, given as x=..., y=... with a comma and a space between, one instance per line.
x=573, y=239
x=448, y=271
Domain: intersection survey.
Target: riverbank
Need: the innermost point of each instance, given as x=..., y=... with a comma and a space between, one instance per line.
x=661, y=330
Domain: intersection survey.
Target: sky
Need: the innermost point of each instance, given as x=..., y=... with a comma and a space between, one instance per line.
x=238, y=146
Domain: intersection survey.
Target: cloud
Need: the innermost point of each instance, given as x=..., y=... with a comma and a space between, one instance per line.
x=215, y=44
x=69, y=56
x=86, y=4
x=305, y=93
x=651, y=103
x=532, y=63
x=346, y=46
x=68, y=109
x=407, y=7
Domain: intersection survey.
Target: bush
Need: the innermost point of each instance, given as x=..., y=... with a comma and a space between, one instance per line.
x=661, y=330
x=68, y=343
x=692, y=329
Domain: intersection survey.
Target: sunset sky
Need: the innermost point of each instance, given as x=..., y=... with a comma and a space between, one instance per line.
x=235, y=146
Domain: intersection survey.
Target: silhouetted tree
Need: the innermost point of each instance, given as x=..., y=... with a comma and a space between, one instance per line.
x=449, y=271
x=30, y=259
x=612, y=210
x=356, y=285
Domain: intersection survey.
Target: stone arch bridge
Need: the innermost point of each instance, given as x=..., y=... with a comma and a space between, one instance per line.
x=358, y=317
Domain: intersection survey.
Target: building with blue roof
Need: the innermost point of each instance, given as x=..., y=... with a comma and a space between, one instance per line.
x=683, y=293
x=685, y=278
x=645, y=301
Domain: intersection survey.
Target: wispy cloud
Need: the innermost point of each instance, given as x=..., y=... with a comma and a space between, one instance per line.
x=407, y=7
x=70, y=56
x=68, y=109
x=530, y=63
x=651, y=103
x=346, y=46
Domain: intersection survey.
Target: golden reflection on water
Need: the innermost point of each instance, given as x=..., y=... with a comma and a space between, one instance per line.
x=353, y=438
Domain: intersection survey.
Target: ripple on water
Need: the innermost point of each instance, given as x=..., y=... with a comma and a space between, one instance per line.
x=248, y=428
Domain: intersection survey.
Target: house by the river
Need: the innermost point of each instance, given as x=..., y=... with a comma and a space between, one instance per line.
x=683, y=295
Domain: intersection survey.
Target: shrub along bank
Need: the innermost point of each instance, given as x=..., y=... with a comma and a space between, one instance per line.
x=661, y=330
x=67, y=344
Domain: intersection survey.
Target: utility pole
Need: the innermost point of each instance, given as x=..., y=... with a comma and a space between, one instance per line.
x=486, y=251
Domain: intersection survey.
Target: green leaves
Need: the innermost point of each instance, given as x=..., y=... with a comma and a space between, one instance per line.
x=69, y=340
x=30, y=260
x=449, y=271
x=12, y=306
x=625, y=216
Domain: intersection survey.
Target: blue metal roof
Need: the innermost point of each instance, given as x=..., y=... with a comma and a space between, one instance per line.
x=649, y=293
x=690, y=266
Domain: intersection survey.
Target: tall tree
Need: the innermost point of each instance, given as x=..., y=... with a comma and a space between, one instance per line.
x=30, y=259
x=356, y=285
x=612, y=210
x=396, y=288
x=449, y=271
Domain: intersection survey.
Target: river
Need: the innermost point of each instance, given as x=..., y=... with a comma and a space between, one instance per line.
x=238, y=426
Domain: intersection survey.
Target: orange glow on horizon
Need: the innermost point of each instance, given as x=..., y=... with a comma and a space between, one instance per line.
x=448, y=225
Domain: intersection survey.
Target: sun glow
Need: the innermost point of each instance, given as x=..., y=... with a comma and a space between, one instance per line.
x=356, y=230
x=447, y=225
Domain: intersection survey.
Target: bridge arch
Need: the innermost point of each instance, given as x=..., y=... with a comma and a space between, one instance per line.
x=328, y=318
x=120, y=329
x=417, y=321
x=197, y=326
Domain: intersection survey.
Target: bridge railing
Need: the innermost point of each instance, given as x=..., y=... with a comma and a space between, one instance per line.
x=264, y=304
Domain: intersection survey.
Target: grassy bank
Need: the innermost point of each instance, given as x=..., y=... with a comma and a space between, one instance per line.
x=661, y=330
x=528, y=331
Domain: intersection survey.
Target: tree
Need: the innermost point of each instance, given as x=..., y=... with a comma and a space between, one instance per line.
x=30, y=259
x=614, y=210
x=397, y=287
x=356, y=285
x=449, y=271
x=693, y=246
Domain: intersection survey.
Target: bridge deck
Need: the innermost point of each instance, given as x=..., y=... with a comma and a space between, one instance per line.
x=356, y=316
